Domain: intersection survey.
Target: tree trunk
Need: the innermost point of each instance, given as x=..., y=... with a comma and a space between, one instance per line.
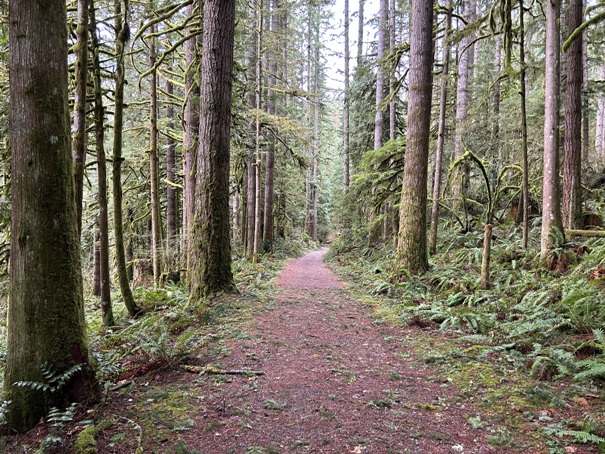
x=268, y=223
x=99, y=113
x=171, y=202
x=96, y=263
x=192, y=124
x=360, y=32
x=585, y=96
x=122, y=34
x=257, y=136
x=250, y=161
x=461, y=174
x=79, y=121
x=485, y=259
x=314, y=189
x=572, y=141
x=46, y=308
x=154, y=167
x=412, y=248
x=441, y=131
x=211, y=271
x=599, y=138
x=552, y=224
x=382, y=33
x=524, y=146
x=393, y=103
x=347, y=101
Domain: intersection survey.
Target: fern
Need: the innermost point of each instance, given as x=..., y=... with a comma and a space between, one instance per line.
x=580, y=436
x=54, y=381
x=593, y=368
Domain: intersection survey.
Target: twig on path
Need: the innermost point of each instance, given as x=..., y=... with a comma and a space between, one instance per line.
x=210, y=370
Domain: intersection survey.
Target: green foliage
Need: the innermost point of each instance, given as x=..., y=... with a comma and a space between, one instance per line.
x=53, y=380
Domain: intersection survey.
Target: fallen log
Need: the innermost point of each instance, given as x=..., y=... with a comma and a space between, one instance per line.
x=586, y=233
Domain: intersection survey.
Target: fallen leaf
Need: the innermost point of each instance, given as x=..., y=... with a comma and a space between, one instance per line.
x=570, y=449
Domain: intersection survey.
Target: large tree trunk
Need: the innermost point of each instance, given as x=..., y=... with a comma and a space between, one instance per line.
x=411, y=248
x=192, y=125
x=211, y=270
x=461, y=174
x=524, y=139
x=599, y=138
x=572, y=142
x=314, y=185
x=441, y=131
x=171, y=202
x=382, y=34
x=79, y=123
x=552, y=224
x=268, y=222
x=46, y=325
x=99, y=112
x=122, y=34
x=257, y=134
x=393, y=103
x=347, y=101
x=250, y=161
x=154, y=166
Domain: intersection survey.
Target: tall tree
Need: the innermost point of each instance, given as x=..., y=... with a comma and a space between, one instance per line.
x=464, y=56
x=271, y=111
x=441, y=129
x=380, y=78
x=154, y=162
x=411, y=247
x=46, y=327
x=192, y=124
x=524, y=138
x=122, y=35
x=257, y=131
x=347, y=97
x=211, y=255
x=572, y=139
x=79, y=122
x=171, y=200
x=103, y=222
x=250, y=161
x=360, y=29
x=552, y=223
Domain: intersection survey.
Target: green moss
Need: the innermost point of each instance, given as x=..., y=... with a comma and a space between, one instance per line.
x=85, y=441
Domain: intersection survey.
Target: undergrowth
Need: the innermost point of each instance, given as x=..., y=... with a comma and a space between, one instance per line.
x=547, y=323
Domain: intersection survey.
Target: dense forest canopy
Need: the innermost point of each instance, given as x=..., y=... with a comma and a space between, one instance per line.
x=207, y=136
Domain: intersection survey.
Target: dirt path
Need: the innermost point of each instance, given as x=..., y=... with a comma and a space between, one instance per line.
x=334, y=382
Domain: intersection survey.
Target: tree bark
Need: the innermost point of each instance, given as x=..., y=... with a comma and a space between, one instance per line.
x=192, y=124
x=257, y=135
x=524, y=139
x=211, y=262
x=599, y=139
x=268, y=222
x=552, y=224
x=99, y=114
x=441, y=131
x=250, y=161
x=122, y=35
x=46, y=309
x=393, y=103
x=79, y=121
x=572, y=140
x=412, y=248
x=154, y=166
x=171, y=202
x=347, y=101
x=360, y=29
x=461, y=174
x=314, y=181
x=382, y=34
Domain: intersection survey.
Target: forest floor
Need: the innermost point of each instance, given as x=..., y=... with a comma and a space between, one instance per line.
x=313, y=369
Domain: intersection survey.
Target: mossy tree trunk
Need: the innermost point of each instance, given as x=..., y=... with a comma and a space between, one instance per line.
x=79, y=121
x=552, y=223
x=154, y=164
x=441, y=130
x=46, y=312
x=99, y=115
x=347, y=101
x=524, y=138
x=572, y=141
x=412, y=246
x=171, y=194
x=122, y=35
x=211, y=255
x=250, y=162
x=192, y=124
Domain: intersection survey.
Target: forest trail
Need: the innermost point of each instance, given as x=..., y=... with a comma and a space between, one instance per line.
x=335, y=381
